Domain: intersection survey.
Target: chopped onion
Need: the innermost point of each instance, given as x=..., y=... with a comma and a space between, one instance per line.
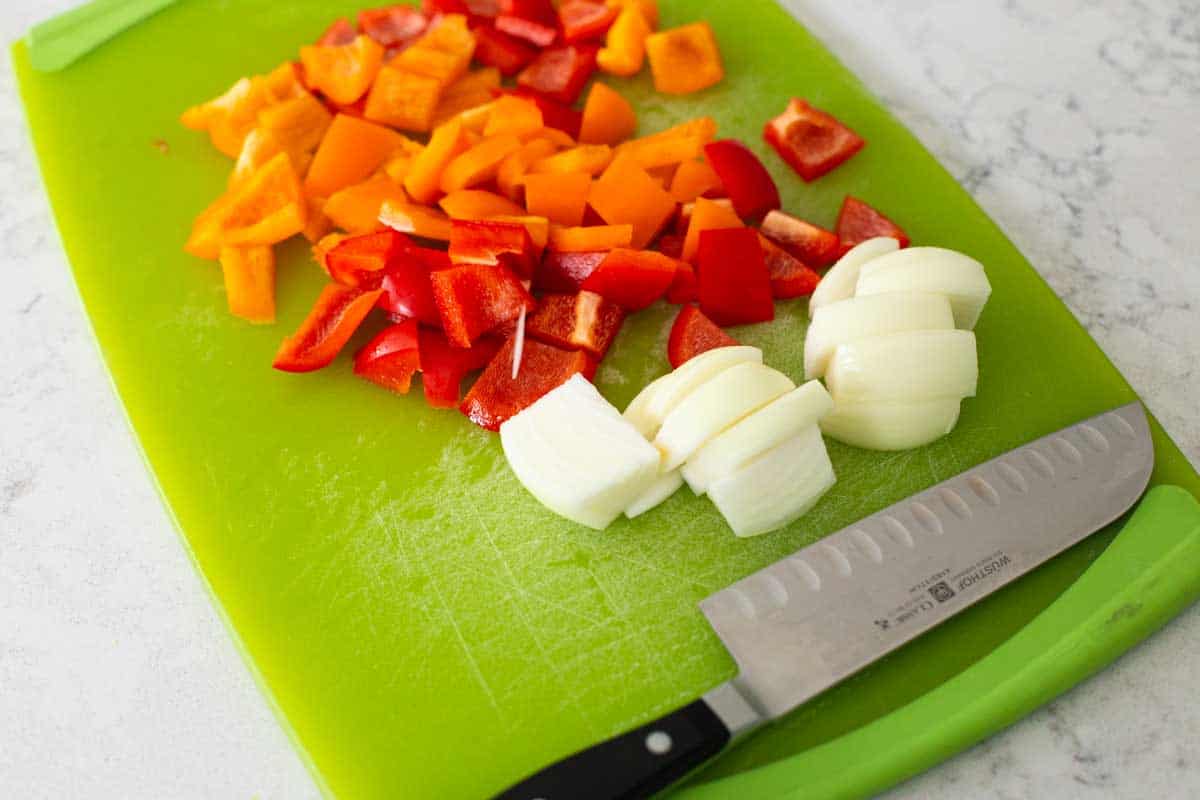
x=892, y=426
x=842, y=277
x=930, y=269
x=904, y=367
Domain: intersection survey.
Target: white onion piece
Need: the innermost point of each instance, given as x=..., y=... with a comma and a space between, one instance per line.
x=771, y=425
x=842, y=277
x=652, y=405
x=777, y=487
x=892, y=426
x=858, y=317
x=907, y=366
x=714, y=406
x=575, y=453
x=930, y=269
x=663, y=487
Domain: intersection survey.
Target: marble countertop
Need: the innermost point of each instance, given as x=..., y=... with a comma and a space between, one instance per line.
x=1074, y=123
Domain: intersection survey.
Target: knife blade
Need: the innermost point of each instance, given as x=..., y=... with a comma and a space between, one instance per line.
x=816, y=617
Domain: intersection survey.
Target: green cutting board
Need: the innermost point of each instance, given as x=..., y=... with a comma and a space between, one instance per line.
x=424, y=627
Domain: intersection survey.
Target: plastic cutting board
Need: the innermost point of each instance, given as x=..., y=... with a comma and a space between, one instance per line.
x=423, y=627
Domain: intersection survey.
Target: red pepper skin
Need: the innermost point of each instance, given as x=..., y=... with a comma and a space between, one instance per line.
x=337, y=314
x=735, y=288
x=746, y=180
x=392, y=26
x=692, y=334
x=506, y=53
x=554, y=115
x=496, y=397
x=361, y=260
x=391, y=358
x=583, y=321
x=789, y=276
x=633, y=279
x=560, y=72
x=810, y=140
x=812, y=244
x=584, y=20
x=407, y=290
x=475, y=298
x=684, y=288
x=432, y=8
x=858, y=222
x=565, y=273
x=485, y=242
x=536, y=33
x=337, y=34
x=444, y=366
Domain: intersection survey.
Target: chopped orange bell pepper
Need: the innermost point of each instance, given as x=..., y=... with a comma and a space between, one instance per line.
x=350, y=152
x=667, y=150
x=471, y=90
x=589, y=158
x=343, y=73
x=297, y=124
x=442, y=67
x=283, y=83
x=355, y=209
x=478, y=204
x=451, y=34
x=624, y=49
x=250, y=282
x=608, y=118
x=513, y=115
x=258, y=148
x=649, y=8
x=425, y=172
x=428, y=223
x=538, y=227
x=559, y=196
x=403, y=99
x=703, y=127
x=317, y=225
x=398, y=165
x=684, y=59
x=591, y=238
x=707, y=215
x=625, y=193
x=230, y=117
x=556, y=137
x=513, y=168
x=267, y=208
x=478, y=164
x=694, y=179
x=327, y=242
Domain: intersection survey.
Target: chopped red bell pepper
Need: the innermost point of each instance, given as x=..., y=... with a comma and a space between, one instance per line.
x=433, y=8
x=392, y=26
x=337, y=314
x=632, y=279
x=746, y=180
x=684, y=288
x=584, y=320
x=341, y=32
x=506, y=53
x=789, y=275
x=443, y=366
x=537, y=10
x=536, y=33
x=858, y=222
x=585, y=20
x=487, y=242
x=693, y=334
x=361, y=260
x=735, y=288
x=560, y=72
x=671, y=244
x=554, y=114
x=391, y=358
x=407, y=289
x=812, y=141
x=565, y=272
x=474, y=298
x=812, y=244
x=496, y=396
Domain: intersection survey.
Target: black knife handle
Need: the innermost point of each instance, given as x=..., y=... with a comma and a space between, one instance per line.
x=633, y=765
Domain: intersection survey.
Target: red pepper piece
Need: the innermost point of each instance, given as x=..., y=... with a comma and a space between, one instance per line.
x=684, y=288
x=671, y=244
x=735, y=288
x=584, y=20
x=812, y=141
x=744, y=177
x=632, y=279
x=496, y=397
x=536, y=10
x=560, y=72
x=337, y=314
x=443, y=366
x=361, y=260
x=858, y=222
x=433, y=8
x=810, y=243
x=584, y=320
x=693, y=334
x=475, y=298
x=407, y=290
x=486, y=242
x=536, y=33
x=554, y=115
x=341, y=32
x=506, y=53
x=789, y=275
x=392, y=26
x=391, y=358
x=566, y=272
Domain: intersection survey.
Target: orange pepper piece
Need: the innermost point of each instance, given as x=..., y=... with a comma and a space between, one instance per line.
x=471, y=90
x=513, y=115
x=451, y=34
x=228, y=119
x=258, y=148
x=707, y=215
x=556, y=137
x=624, y=49
x=684, y=59
x=694, y=179
x=250, y=282
x=398, y=165
x=513, y=168
x=588, y=239
x=350, y=153
x=625, y=193
x=403, y=99
x=705, y=128
x=559, y=196
x=442, y=53
x=425, y=172
x=608, y=118
x=589, y=158
x=649, y=8
x=428, y=223
x=283, y=83
x=327, y=242
x=538, y=227
x=268, y=208
x=317, y=225
x=343, y=73
x=356, y=208
x=478, y=204
x=478, y=164
x=297, y=124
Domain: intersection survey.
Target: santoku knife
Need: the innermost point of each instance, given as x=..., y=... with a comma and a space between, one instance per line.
x=816, y=617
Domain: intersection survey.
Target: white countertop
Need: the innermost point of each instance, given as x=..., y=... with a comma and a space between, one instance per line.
x=1073, y=123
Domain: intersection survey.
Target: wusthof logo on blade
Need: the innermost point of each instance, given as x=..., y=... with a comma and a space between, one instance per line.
x=941, y=591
